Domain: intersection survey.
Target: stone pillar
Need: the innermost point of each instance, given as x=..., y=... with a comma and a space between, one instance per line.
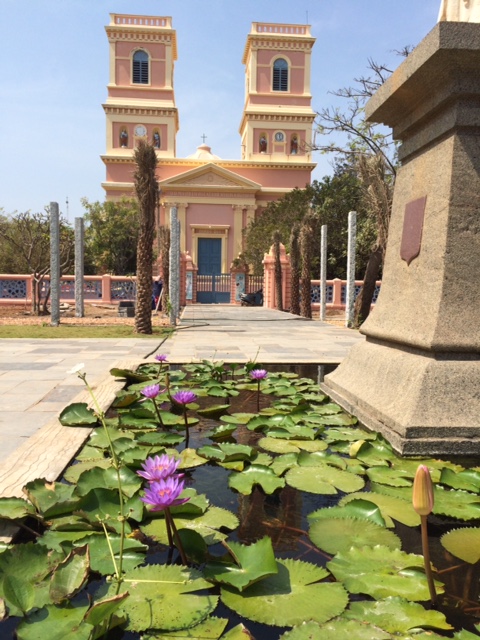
x=352, y=237
x=323, y=272
x=416, y=378
x=79, y=268
x=54, y=265
x=237, y=228
x=190, y=280
x=174, y=281
x=182, y=219
x=269, y=278
x=238, y=282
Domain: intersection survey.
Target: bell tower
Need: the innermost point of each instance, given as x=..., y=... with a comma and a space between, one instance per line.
x=277, y=119
x=141, y=100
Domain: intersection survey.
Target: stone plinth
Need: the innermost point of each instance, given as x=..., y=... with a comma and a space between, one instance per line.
x=416, y=378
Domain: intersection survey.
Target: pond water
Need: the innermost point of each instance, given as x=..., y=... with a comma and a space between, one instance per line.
x=282, y=516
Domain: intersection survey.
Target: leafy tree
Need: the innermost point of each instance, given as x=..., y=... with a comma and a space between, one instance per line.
x=330, y=201
x=295, y=262
x=306, y=253
x=25, y=247
x=146, y=189
x=111, y=236
x=372, y=152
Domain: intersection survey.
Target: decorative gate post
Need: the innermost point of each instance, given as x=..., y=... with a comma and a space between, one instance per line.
x=238, y=282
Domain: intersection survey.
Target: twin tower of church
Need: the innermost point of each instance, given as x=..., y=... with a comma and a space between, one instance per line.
x=215, y=198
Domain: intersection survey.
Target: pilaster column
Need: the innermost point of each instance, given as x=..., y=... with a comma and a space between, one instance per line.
x=182, y=219
x=237, y=228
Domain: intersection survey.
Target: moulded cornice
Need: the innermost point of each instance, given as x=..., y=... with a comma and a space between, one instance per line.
x=226, y=164
x=116, y=34
x=140, y=111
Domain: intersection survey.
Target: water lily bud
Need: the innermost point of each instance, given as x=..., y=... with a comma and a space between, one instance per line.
x=423, y=491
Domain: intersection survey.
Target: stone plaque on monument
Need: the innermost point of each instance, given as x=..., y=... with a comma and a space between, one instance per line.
x=412, y=229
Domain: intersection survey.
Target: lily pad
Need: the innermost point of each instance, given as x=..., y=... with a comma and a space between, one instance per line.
x=397, y=615
x=323, y=479
x=288, y=598
x=358, y=508
x=247, y=564
x=210, y=629
x=336, y=630
x=392, y=508
x=78, y=414
x=163, y=597
x=336, y=535
x=463, y=543
x=381, y=572
x=255, y=474
x=277, y=445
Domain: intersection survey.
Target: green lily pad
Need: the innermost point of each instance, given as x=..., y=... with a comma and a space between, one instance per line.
x=288, y=598
x=323, y=479
x=208, y=525
x=108, y=479
x=255, y=474
x=382, y=572
x=392, y=508
x=51, y=498
x=129, y=375
x=463, y=543
x=358, y=508
x=277, y=445
x=15, y=508
x=78, y=414
x=23, y=572
x=392, y=477
x=210, y=629
x=336, y=630
x=70, y=575
x=220, y=431
x=467, y=480
x=247, y=564
x=238, y=418
x=227, y=452
x=214, y=411
x=336, y=535
x=397, y=615
x=163, y=597
x=56, y=623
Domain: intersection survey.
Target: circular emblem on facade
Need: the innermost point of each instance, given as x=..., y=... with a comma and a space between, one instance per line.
x=279, y=137
x=140, y=130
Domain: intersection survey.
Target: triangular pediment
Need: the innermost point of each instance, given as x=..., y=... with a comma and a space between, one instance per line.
x=210, y=176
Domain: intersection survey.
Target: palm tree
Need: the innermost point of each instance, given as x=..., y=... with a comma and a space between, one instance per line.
x=146, y=188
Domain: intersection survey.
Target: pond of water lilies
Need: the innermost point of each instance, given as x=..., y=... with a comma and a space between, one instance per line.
x=217, y=501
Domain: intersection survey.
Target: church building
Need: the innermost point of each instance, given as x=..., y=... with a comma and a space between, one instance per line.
x=215, y=198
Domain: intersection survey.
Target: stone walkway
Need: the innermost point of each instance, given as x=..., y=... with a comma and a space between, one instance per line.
x=35, y=385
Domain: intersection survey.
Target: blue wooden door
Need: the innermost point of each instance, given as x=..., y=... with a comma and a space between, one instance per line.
x=212, y=285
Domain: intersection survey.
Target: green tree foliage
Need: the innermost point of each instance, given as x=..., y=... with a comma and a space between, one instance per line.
x=329, y=201
x=25, y=249
x=111, y=236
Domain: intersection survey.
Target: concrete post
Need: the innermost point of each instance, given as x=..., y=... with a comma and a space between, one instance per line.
x=174, y=265
x=350, y=298
x=54, y=265
x=79, y=268
x=323, y=272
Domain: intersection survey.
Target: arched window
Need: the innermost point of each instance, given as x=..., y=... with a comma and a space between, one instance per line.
x=140, y=67
x=280, y=75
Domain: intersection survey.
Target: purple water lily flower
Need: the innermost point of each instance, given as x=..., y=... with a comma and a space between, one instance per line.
x=159, y=468
x=161, y=357
x=151, y=392
x=258, y=374
x=164, y=493
x=184, y=397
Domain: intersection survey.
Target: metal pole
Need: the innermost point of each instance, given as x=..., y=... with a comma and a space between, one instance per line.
x=54, y=265
x=350, y=298
x=323, y=272
x=79, y=268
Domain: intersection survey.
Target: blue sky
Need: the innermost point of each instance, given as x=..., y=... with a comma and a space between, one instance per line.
x=54, y=72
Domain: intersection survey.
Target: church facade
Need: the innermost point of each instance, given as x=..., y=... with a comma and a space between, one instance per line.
x=215, y=198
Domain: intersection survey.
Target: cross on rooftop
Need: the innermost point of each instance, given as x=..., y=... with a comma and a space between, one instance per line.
x=204, y=137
